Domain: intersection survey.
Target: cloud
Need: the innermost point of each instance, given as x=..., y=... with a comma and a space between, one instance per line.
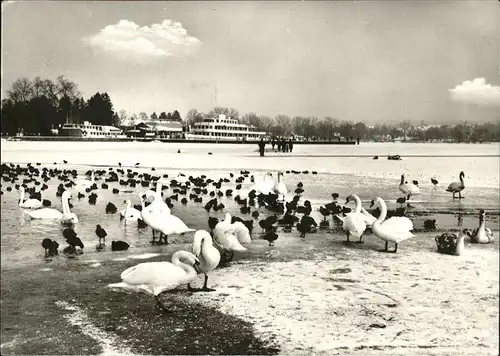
x=477, y=92
x=126, y=38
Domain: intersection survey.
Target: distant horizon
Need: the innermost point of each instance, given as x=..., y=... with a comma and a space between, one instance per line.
x=367, y=61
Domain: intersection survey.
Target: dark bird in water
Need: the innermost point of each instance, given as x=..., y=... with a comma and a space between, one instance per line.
x=430, y=224
x=119, y=246
x=434, y=181
x=401, y=200
x=376, y=157
x=306, y=225
x=101, y=233
x=50, y=247
x=270, y=236
x=65, y=161
x=137, y=164
x=255, y=214
x=111, y=208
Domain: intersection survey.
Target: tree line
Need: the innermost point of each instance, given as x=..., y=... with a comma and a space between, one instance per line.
x=39, y=105
x=330, y=128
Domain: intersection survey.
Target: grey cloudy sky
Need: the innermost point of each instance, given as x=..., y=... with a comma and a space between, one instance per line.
x=368, y=61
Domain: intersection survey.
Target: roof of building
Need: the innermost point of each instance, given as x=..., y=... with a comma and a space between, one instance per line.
x=162, y=126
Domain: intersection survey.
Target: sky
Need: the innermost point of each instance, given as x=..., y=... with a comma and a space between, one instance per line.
x=369, y=61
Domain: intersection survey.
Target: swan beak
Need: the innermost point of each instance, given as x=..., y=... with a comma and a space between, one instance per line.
x=372, y=203
x=347, y=200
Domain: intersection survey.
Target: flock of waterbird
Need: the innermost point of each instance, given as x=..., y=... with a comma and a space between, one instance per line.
x=227, y=236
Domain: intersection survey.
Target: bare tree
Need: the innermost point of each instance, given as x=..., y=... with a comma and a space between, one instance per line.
x=266, y=123
x=21, y=91
x=122, y=116
x=133, y=119
x=49, y=90
x=405, y=126
x=143, y=116
x=283, y=124
x=193, y=116
x=67, y=88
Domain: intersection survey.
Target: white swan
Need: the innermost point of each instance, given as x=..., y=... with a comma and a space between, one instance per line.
x=166, y=224
x=130, y=213
x=395, y=229
x=354, y=222
x=483, y=234
x=85, y=183
x=29, y=203
x=208, y=255
x=157, y=277
x=230, y=236
x=157, y=205
x=408, y=189
x=264, y=185
x=369, y=218
x=280, y=187
x=48, y=213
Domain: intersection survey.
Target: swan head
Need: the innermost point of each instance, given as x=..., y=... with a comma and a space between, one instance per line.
x=349, y=198
x=467, y=232
x=462, y=174
x=374, y=202
x=482, y=215
x=66, y=194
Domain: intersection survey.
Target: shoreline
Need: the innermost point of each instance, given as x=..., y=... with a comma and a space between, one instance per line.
x=312, y=295
x=163, y=140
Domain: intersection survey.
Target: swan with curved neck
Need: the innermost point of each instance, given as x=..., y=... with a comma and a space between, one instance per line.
x=130, y=213
x=166, y=224
x=354, y=222
x=230, y=236
x=48, y=213
x=29, y=203
x=408, y=189
x=280, y=187
x=457, y=187
x=156, y=278
x=208, y=255
x=395, y=229
x=482, y=235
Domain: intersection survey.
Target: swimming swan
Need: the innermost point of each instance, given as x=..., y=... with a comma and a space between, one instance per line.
x=208, y=255
x=395, y=229
x=29, y=203
x=156, y=278
x=483, y=234
x=408, y=189
x=354, y=223
x=280, y=187
x=130, y=213
x=47, y=213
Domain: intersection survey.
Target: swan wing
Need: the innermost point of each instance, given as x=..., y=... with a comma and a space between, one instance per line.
x=45, y=213
x=154, y=273
x=398, y=224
